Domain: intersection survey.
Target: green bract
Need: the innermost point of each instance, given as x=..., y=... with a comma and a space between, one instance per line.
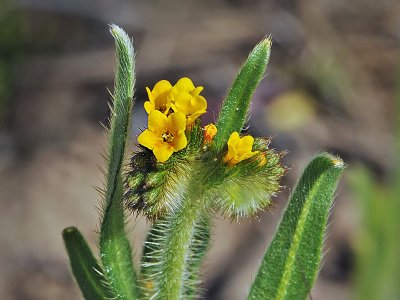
x=229, y=175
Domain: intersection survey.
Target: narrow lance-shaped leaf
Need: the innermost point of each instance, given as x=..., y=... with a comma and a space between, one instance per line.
x=235, y=107
x=291, y=263
x=85, y=268
x=115, y=248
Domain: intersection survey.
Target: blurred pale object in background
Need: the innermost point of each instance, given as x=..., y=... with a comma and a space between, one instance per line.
x=290, y=110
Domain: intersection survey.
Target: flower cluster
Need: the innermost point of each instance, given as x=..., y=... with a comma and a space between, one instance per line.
x=172, y=112
x=176, y=148
x=182, y=97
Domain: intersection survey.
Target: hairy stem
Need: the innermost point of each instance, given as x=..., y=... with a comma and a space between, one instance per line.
x=181, y=230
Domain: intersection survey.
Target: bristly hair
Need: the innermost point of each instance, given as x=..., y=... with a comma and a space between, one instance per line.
x=154, y=249
x=153, y=188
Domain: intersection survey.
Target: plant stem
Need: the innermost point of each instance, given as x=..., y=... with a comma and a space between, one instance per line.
x=181, y=228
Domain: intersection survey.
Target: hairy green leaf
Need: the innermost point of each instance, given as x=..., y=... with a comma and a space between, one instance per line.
x=235, y=107
x=291, y=263
x=85, y=267
x=115, y=248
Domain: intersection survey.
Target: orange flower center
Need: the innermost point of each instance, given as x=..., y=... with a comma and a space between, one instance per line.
x=167, y=137
x=161, y=107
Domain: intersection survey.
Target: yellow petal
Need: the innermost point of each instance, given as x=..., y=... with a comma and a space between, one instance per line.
x=159, y=96
x=161, y=87
x=246, y=155
x=192, y=107
x=163, y=151
x=162, y=102
x=158, y=122
x=185, y=84
x=180, y=141
x=149, y=94
x=239, y=149
x=233, y=139
x=193, y=117
x=198, y=103
x=149, y=139
x=149, y=106
x=173, y=94
x=182, y=102
x=196, y=91
x=176, y=122
x=245, y=144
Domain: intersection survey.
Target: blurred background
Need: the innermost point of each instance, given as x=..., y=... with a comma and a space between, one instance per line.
x=330, y=86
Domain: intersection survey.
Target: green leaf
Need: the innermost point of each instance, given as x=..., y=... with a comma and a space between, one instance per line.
x=291, y=263
x=85, y=268
x=235, y=107
x=115, y=248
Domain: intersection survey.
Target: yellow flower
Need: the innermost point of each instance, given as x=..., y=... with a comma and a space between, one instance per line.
x=158, y=97
x=210, y=131
x=165, y=135
x=185, y=98
x=239, y=149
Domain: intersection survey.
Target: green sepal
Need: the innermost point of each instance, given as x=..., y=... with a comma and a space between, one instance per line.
x=87, y=271
x=235, y=108
x=292, y=260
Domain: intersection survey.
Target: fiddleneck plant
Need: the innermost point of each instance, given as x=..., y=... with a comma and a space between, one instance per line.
x=181, y=176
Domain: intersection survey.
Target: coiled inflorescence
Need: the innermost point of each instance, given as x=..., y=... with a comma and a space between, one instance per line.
x=239, y=180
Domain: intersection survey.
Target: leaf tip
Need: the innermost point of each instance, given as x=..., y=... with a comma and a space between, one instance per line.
x=267, y=41
x=69, y=230
x=115, y=30
x=336, y=161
